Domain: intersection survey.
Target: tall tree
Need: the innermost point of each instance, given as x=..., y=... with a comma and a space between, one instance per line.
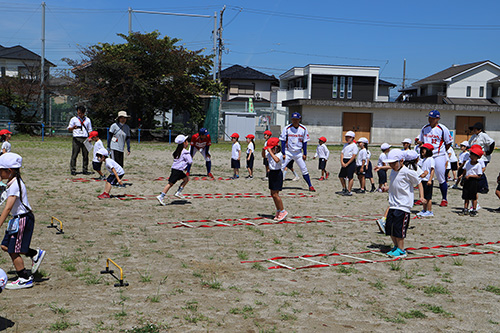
x=145, y=75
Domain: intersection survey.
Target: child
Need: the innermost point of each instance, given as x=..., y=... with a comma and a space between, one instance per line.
x=5, y=137
x=348, y=166
x=427, y=165
x=403, y=180
x=382, y=172
x=452, y=164
x=235, y=155
x=115, y=172
x=361, y=163
x=267, y=135
x=289, y=166
x=250, y=155
x=275, y=158
x=406, y=144
x=19, y=231
x=182, y=158
x=96, y=164
x=472, y=172
x=497, y=192
x=323, y=153
x=462, y=158
x=369, y=169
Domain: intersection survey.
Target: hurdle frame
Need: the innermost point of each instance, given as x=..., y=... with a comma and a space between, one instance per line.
x=111, y=272
x=60, y=229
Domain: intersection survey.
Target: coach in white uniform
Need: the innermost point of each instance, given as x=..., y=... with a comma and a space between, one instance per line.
x=440, y=138
x=294, y=144
x=81, y=127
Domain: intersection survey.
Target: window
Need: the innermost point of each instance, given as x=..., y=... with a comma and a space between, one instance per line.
x=233, y=89
x=334, y=86
x=467, y=93
x=245, y=90
x=349, y=87
x=481, y=91
x=342, y=86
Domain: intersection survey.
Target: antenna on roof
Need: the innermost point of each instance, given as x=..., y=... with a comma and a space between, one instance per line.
x=404, y=73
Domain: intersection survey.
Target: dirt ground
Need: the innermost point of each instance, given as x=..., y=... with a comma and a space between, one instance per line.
x=191, y=279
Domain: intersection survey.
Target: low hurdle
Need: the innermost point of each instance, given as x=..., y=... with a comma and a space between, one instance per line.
x=111, y=272
x=60, y=229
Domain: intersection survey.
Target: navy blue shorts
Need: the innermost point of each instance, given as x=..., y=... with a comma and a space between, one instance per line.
x=397, y=223
x=322, y=164
x=469, y=190
x=348, y=172
x=96, y=166
x=382, y=177
x=112, y=179
x=235, y=164
x=250, y=161
x=369, y=170
x=275, y=180
x=176, y=175
x=21, y=240
x=427, y=190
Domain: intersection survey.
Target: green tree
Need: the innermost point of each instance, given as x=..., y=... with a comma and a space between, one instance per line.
x=145, y=75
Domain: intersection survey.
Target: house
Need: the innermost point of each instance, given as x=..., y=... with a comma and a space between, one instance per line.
x=17, y=60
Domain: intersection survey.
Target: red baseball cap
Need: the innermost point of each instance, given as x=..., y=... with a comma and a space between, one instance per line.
x=477, y=150
x=235, y=135
x=5, y=131
x=272, y=142
x=268, y=132
x=323, y=139
x=428, y=146
x=250, y=136
x=93, y=134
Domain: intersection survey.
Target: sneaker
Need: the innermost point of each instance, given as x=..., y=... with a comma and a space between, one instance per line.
x=454, y=186
x=160, y=200
x=187, y=173
x=379, y=190
x=344, y=191
x=20, y=283
x=473, y=213
x=391, y=252
x=372, y=190
x=363, y=191
x=418, y=202
x=312, y=189
x=88, y=173
x=464, y=212
x=348, y=194
x=103, y=177
x=73, y=173
x=321, y=178
x=327, y=175
x=265, y=178
x=178, y=194
x=295, y=178
x=398, y=253
x=381, y=225
x=421, y=213
x=37, y=260
x=428, y=214
x=444, y=203
x=104, y=195
x=210, y=175
x=276, y=216
x=282, y=215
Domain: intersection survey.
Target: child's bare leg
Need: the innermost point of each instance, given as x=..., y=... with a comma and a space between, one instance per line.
x=466, y=204
x=184, y=182
x=237, y=171
x=362, y=182
x=497, y=192
x=167, y=187
x=277, y=200
x=351, y=183
x=107, y=187
x=342, y=181
x=17, y=260
x=474, y=204
x=386, y=212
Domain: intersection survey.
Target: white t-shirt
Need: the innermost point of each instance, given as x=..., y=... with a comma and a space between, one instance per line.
x=250, y=148
x=235, y=150
x=13, y=190
x=475, y=169
x=349, y=150
x=438, y=136
x=484, y=141
x=6, y=145
x=381, y=159
x=428, y=164
x=85, y=129
x=452, y=155
x=97, y=145
x=362, y=156
x=273, y=165
x=401, y=189
x=322, y=152
x=110, y=164
x=463, y=157
x=294, y=137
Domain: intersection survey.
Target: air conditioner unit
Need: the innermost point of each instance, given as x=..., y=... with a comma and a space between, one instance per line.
x=258, y=97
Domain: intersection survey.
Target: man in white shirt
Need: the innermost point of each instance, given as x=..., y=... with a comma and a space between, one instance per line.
x=81, y=127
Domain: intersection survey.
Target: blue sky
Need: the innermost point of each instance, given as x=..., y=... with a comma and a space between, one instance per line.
x=273, y=36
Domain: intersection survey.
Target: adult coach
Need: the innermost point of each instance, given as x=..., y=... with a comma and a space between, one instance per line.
x=439, y=137
x=479, y=137
x=201, y=142
x=80, y=126
x=294, y=144
x=119, y=134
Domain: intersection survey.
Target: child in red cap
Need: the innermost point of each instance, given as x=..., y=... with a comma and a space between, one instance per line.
x=235, y=155
x=96, y=162
x=5, y=138
x=267, y=135
x=472, y=172
x=276, y=160
x=250, y=155
x=322, y=153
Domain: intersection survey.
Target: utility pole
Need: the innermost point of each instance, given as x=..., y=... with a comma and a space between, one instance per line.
x=214, y=37
x=129, y=20
x=42, y=66
x=404, y=73
x=221, y=43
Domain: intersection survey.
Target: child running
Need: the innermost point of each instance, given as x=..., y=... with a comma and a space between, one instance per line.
x=472, y=172
x=235, y=155
x=427, y=165
x=348, y=164
x=5, y=138
x=115, y=173
x=322, y=153
x=275, y=158
x=250, y=155
x=96, y=163
x=182, y=158
x=403, y=180
x=267, y=135
x=17, y=239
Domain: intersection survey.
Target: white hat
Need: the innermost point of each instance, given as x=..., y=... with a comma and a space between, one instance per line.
x=385, y=146
x=407, y=140
x=410, y=155
x=180, y=139
x=363, y=139
x=465, y=143
x=122, y=114
x=3, y=279
x=351, y=134
x=10, y=160
x=103, y=152
x=394, y=155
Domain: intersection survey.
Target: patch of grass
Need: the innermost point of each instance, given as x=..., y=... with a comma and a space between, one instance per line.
x=347, y=269
x=412, y=314
x=493, y=289
x=291, y=294
x=276, y=241
x=436, y=309
x=493, y=322
x=125, y=251
x=68, y=264
x=147, y=328
x=195, y=318
x=246, y=311
x=61, y=325
x=287, y=317
x=378, y=285
x=242, y=255
x=396, y=319
x=258, y=266
x=146, y=277
x=58, y=310
x=459, y=239
x=198, y=274
x=191, y=306
x=395, y=265
x=432, y=290
x=214, y=284
x=120, y=314
x=256, y=230
x=90, y=278
x=458, y=261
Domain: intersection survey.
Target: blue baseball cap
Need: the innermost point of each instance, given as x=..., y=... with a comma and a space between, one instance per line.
x=203, y=131
x=434, y=114
x=296, y=115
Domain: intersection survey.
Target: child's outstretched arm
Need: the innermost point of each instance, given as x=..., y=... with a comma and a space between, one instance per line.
x=8, y=207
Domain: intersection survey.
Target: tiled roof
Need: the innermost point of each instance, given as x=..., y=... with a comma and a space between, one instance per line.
x=245, y=73
x=468, y=101
x=20, y=53
x=449, y=72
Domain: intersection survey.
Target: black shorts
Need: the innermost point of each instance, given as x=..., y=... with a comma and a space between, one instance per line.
x=176, y=175
x=112, y=179
x=397, y=223
x=382, y=177
x=358, y=171
x=250, y=161
x=427, y=190
x=469, y=191
x=348, y=172
x=275, y=180
x=21, y=240
x=96, y=166
x=235, y=164
x=322, y=164
x=498, y=187
x=460, y=172
x=369, y=170
x=454, y=166
x=265, y=161
x=290, y=164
